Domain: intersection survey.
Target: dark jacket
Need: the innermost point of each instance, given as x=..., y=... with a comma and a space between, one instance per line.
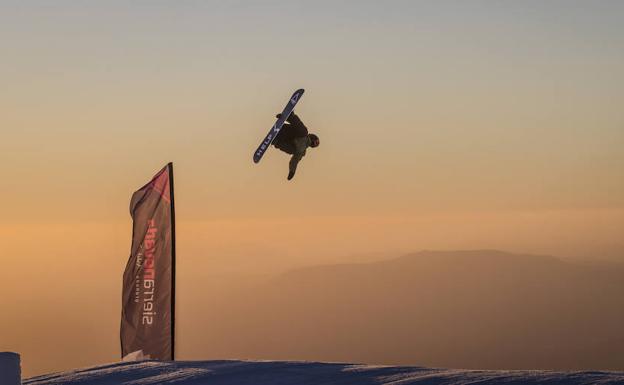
x=292, y=129
x=293, y=139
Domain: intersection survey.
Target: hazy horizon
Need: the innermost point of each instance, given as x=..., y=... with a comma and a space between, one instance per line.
x=220, y=313
x=443, y=125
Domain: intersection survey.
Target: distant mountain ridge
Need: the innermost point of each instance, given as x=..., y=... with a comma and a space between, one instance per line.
x=470, y=309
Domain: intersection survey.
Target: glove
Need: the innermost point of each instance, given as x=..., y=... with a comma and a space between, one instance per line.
x=291, y=174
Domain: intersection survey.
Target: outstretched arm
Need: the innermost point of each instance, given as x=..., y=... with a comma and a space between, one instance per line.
x=292, y=165
x=301, y=144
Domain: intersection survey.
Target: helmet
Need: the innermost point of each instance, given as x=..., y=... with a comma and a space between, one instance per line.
x=314, y=140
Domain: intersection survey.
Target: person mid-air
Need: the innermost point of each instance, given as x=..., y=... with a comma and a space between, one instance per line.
x=294, y=139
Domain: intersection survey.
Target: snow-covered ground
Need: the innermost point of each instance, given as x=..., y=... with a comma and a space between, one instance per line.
x=302, y=373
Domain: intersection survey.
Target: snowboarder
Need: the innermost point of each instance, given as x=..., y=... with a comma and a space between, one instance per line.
x=294, y=139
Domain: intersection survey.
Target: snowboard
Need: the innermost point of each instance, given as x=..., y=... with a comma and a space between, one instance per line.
x=290, y=106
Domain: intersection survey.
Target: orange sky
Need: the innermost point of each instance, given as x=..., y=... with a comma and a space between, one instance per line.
x=442, y=127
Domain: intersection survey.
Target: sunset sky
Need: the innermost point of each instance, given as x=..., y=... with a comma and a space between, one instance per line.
x=443, y=125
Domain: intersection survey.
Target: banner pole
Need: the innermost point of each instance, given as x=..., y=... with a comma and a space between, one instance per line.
x=173, y=261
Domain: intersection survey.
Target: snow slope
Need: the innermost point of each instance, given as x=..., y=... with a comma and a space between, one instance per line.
x=302, y=373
